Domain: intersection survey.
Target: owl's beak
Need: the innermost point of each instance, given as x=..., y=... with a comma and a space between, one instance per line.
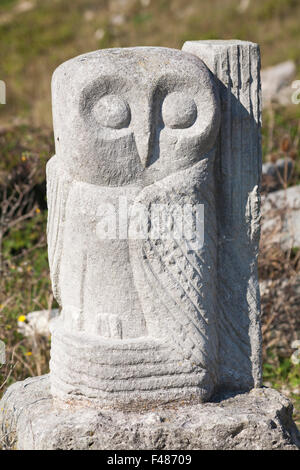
x=142, y=144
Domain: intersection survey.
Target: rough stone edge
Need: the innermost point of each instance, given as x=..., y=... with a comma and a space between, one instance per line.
x=258, y=420
x=235, y=65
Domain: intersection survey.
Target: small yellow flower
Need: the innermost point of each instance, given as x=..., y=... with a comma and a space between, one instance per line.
x=22, y=318
x=1, y=306
x=37, y=210
x=28, y=353
x=23, y=158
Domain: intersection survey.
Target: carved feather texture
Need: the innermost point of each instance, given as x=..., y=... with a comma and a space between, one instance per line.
x=176, y=285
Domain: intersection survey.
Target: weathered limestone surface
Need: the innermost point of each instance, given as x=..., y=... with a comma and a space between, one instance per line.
x=260, y=419
x=139, y=315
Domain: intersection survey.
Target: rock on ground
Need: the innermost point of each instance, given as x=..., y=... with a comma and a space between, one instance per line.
x=281, y=217
x=276, y=81
x=261, y=419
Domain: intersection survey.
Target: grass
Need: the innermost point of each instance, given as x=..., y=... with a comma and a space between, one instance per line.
x=35, y=42
x=280, y=373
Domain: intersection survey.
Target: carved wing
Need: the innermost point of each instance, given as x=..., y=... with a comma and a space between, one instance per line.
x=57, y=193
x=171, y=278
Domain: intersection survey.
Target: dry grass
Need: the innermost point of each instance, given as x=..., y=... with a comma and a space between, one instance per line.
x=279, y=272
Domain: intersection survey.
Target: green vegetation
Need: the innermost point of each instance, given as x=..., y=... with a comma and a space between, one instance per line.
x=35, y=42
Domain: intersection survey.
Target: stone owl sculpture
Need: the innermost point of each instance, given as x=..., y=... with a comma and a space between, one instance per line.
x=139, y=314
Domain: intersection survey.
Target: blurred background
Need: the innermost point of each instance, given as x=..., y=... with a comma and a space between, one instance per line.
x=35, y=37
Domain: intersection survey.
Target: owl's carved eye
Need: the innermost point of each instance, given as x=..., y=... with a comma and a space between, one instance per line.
x=112, y=111
x=179, y=111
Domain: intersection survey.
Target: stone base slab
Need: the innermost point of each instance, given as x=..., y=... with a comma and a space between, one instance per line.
x=260, y=419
